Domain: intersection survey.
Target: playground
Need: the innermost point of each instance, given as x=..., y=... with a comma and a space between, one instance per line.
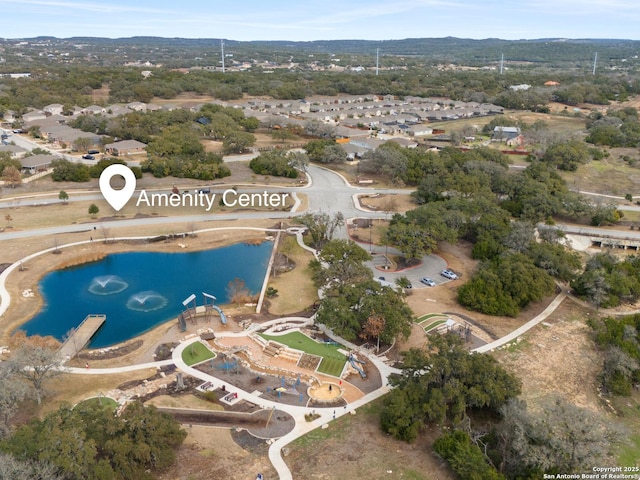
x=285, y=389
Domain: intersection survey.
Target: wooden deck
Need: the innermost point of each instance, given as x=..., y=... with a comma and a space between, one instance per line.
x=81, y=336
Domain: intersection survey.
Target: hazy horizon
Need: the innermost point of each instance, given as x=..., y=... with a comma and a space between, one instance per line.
x=286, y=20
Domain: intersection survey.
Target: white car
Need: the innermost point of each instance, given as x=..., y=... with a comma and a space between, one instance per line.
x=450, y=274
x=428, y=281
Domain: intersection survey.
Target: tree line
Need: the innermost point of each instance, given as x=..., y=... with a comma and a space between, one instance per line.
x=487, y=432
x=73, y=86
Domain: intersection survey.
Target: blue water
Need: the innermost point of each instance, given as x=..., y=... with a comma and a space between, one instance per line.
x=138, y=291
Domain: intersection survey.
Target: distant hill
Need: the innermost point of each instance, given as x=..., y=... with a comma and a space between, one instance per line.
x=552, y=52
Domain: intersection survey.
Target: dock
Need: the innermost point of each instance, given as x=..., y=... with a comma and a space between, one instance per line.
x=81, y=335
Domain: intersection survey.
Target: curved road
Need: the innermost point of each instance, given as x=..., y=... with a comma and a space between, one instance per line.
x=327, y=192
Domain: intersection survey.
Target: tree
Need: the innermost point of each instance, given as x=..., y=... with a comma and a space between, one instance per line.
x=618, y=371
x=334, y=154
x=298, y=160
x=465, y=457
x=11, y=176
x=442, y=385
x=12, y=468
x=64, y=196
x=238, y=292
x=365, y=308
x=90, y=442
x=66, y=171
x=567, y=155
x=34, y=131
x=36, y=364
x=340, y=262
x=561, y=436
x=238, y=142
x=390, y=160
x=281, y=134
x=13, y=391
x=373, y=328
x=505, y=285
x=412, y=240
x=321, y=227
x=82, y=144
x=93, y=210
x=619, y=339
x=275, y=163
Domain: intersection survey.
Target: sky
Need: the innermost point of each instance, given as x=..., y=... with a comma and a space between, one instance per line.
x=307, y=20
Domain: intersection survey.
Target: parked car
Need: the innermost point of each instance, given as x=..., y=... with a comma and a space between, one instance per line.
x=88, y=157
x=17, y=130
x=428, y=281
x=93, y=152
x=204, y=190
x=450, y=274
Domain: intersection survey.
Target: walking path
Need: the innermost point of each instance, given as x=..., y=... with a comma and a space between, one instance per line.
x=328, y=192
x=524, y=328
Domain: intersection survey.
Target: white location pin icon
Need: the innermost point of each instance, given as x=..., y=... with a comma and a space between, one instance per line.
x=117, y=198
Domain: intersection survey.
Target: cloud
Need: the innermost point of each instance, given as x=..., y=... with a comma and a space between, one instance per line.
x=105, y=8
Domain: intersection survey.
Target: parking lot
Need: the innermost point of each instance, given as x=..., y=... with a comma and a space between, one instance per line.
x=431, y=267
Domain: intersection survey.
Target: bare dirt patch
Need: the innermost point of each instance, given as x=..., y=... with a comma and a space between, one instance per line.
x=557, y=357
x=387, y=203
x=212, y=453
x=355, y=447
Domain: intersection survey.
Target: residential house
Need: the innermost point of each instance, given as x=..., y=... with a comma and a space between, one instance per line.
x=53, y=109
x=65, y=136
x=367, y=143
x=518, y=141
x=504, y=134
x=36, y=163
x=137, y=106
x=33, y=116
x=9, y=116
x=13, y=150
x=419, y=130
x=404, y=142
x=94, y=110
x=125, y=147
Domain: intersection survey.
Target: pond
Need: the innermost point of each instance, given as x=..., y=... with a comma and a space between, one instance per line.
x=139, y=290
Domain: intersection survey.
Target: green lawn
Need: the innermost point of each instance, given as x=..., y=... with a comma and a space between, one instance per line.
x=428, y=316
x=433, y=325
x=196, y=353
x=106, y=402
x=332, y=361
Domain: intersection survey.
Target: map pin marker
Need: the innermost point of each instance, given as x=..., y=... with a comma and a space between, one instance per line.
x=117, y=198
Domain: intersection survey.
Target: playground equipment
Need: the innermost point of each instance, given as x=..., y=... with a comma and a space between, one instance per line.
x=286, y=387
x=353, y=360
x=191, y=310
x=227, y=365
x=188, y=313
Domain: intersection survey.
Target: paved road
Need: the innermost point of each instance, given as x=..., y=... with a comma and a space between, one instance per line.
x=327, y=192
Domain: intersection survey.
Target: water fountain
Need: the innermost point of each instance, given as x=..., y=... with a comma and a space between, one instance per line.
x=107, y=285
x=146, y=301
